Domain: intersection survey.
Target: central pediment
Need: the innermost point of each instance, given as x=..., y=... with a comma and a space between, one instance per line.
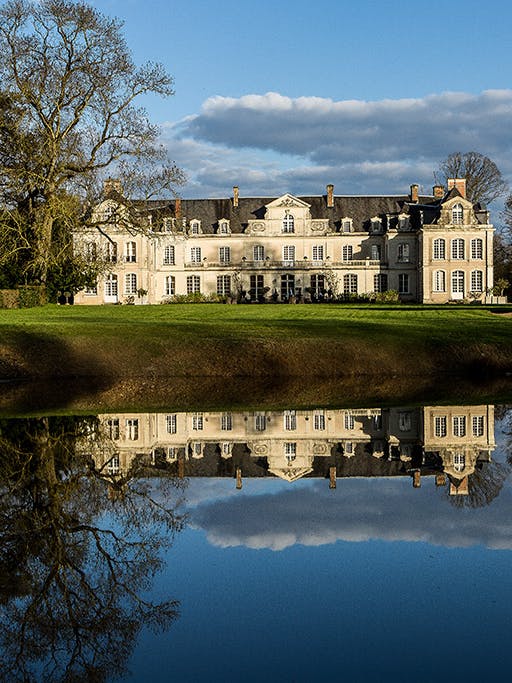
x=288, y=201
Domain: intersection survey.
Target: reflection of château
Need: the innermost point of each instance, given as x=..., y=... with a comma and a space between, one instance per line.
x=443, y=441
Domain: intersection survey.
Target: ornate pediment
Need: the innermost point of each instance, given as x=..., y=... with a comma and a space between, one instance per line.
x=291, y=473
x=288, y=201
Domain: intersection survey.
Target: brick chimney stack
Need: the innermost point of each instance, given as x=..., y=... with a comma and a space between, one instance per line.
x=414, y=193
x=330, y=196
x=235, y=195
x=177, y=208
x=112, y=185
x=459, y=184
x=438, y=191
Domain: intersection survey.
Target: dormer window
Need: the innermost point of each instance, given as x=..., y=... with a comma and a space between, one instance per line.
x=346, y=225
x=167, y=224
x=195, y=227
x=457, y=214
x=224, y=227
x=376, y=224
x=288, y=223
x=403, y=222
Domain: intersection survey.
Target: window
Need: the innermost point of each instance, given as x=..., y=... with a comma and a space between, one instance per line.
x=114, y=465
x=170, y=285
x=195, y=227
x=439, y=283
x=226, y=449
x=459, y=462
x=403, y=253
x=290, y=420
x=349, y=421
x=477, y=423
x=459, y=425
x=376, y=225
x=346, y=225
x=226, y=422
x=197, y=422
x=130, y=283
x=403, y=283
x=375, y=252
x=224, y=227
x=439, y=249
x=112, y=252
x=111, y=286
x=193, y=284
x=130, y=253
x=403, y=222
x=172, y=453
x=260, y=422
x=290, y=449
x=223, y=285
x=197, y=449
x=317, y=284
x=457, y=214
x=348, y=449
x=132, y=430
x=477, y=248
x=257, y=286
x=92, y=290
x=404, y=422
x=350, y=284
x=288, y=223
x=458, y=283
x=258, y=252
x=458, y=249
x=477, y=279
x=380, y=282
x=317, y=253
x=347, y=252
x=167, y=224
x=113, y=429
x=319, y=420
x=224, y=254
x=289, y=254
x=440, y=426
x=171, y=423
x=195, y=254
x=169, y=255
x=91, y=251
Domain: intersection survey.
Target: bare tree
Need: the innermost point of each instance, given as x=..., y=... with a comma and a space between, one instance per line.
x=484, y=181
x=68, y=115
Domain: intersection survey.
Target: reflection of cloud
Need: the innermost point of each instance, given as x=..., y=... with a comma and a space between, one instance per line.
x=357, y=510
x=268, y=143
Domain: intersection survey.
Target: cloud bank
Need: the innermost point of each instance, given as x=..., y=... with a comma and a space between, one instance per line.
x=271, y=143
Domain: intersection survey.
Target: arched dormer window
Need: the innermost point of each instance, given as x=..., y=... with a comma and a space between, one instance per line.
x=195, y=227
x=457, y=214
x=288, y=223
x=376, y=224
x=346, y=225
x=224, y=227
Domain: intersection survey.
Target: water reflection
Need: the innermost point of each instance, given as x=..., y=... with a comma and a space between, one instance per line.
x=452, y=444
x=77, y=549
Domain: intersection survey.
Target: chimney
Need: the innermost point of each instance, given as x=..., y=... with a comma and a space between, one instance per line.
x=414, y=193
x=330, y=196
x=438, y=191
x=416, y=479
x=459, y=184
x=235, y=196
x=177, y=208
x=112, y=185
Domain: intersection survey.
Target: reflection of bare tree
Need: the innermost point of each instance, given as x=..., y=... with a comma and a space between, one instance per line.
x=77, y=549
x=484, y=485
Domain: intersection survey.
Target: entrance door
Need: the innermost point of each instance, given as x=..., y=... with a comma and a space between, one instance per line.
x=287, y=286
x=458, y=284
x=111, y=290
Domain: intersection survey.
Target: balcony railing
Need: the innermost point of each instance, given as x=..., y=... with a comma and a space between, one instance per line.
x=304, y=264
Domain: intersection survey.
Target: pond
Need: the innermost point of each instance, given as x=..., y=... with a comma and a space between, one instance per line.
x=359, y=544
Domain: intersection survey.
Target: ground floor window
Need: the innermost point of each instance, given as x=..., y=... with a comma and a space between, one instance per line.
x=317, y=286
x=350, y=284
x=380, y=282
x=223, y=285
x=170, y=285
x=403, y=283
x=111, y=286
x=130, y=283
x=439, y=281
x=287, y=286
x=257, y=286
x=193, y=284
x=91, y=291
x=477, y=280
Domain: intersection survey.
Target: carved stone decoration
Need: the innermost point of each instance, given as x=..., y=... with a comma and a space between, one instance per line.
x=319, y=449
x=257, y=227
x=258, y=448
x=319, y=226
x=288, y=201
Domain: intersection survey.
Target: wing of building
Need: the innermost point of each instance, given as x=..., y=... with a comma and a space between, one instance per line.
x=429, y=249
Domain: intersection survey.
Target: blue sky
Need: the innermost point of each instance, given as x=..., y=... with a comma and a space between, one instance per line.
x=290, y=96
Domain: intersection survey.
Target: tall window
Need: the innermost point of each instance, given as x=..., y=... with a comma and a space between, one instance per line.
x=347, y=252
x=224, y=254
x=458, y=249
x=171, y=423
x=404, y=422
x=477, y=279
x=223, y=285
x=195, y=254
x=459, y=425
x=112, y=252
x=439, y=249
x=375, y=252
x=91, y=251
x=380, y=282
x=130, y=253
x=130, y=283
x=260, y=422
x=317, y=252
x=290, y=450
x=224, y=227
x=458, y=283
x=195, y=227
x=170, y=285
x=288, y=223
x=477, y=423
x=197, y=422
x=350, y=284
x=132, y=430
x=403, y=252
x=290, y=420
x=169, y=255
x=193, y=284
x=403, y=283
x=289, y=254
x=457, y=214
x=440, y=426
x=349, y=421
x=319, y=420
x=258, y=252
x=477, y=248
x=114, y=465
x=111, y=285
x=317, y=284
x=439, y=281
x=226, y=422
x=257, y=286
x=113, y=429
x=459, y=462
x=346, y=225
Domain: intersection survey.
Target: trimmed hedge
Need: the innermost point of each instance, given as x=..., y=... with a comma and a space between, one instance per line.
x=26, y=296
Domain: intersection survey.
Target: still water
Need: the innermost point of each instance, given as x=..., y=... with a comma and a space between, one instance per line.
x=368, y=544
